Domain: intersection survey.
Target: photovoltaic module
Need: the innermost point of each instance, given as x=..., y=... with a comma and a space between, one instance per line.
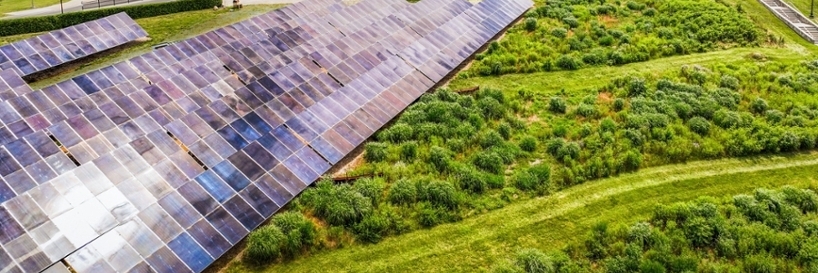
x=163, y=162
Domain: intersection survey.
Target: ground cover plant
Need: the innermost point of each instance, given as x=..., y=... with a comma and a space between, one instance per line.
x=552, y=222
x=766, y=231
x=570, y=34
x=452, y=156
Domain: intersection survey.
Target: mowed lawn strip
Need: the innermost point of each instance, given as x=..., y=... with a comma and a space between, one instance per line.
x=552, y=222
x=7, y=6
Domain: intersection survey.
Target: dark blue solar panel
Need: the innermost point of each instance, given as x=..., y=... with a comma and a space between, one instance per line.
x=306, y=85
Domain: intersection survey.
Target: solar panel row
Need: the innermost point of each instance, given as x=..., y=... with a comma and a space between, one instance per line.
x=104, y=169
x=65, y=45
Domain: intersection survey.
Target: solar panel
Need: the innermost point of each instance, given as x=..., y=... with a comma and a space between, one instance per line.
x=57, y=47
x=166, y=160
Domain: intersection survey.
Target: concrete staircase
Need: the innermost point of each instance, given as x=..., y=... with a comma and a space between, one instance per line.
x=797, y=21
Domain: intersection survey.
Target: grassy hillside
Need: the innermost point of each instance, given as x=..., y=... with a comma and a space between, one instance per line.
x=581, y=120
x=553, y=222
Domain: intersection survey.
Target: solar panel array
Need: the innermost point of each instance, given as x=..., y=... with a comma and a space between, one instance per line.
x=165, y=161
x=65, y=45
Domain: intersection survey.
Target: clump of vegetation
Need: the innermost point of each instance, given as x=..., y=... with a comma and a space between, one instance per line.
x=767, y=231
x=568, y=35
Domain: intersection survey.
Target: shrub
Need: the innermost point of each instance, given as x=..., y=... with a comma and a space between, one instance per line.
x=699, y=125
x=429, y=215
x=397, y=133
x=490, y=138
x=264, y=244
x=637, y=87
x=726, y=119
x=375, y=152
x=632, y=5
x=491, y=108
x=758, y=106
x=567, y=62
x=649, y=12
x=534, y=261
x=505, y=130
x=456, y=145
x=557, y=105
x=774, y=116
x=338, y=205
x=607, y=125
x=441, y=193
x=606, y=40
x=730, y=82
x=52, y=22
x=530, y=24
x=403, y=192
x=619, y=104
x=471, y=180
x=528, y=143
x=537, y=177
x=559, y=32
x=409, y=150
x=371, y=188
x=299, y=232
x=372, y=228
x=439, y=157
x=586, y=110
x=571, y=22
x=488, y=161
x=632, y=160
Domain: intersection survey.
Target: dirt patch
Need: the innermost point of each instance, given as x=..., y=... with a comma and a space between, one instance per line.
x=605, y=97
x=532, y=119
x=353, y=164
x=608, y=20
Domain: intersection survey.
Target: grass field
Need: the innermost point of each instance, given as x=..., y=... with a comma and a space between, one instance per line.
x=7, y=6
x=479, y=242
x=161, y=29
x=552, y=222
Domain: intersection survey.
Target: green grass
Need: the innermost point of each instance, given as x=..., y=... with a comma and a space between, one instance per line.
x=7, y=6
x=552, y=222
x=802, y=6
x=166, y=28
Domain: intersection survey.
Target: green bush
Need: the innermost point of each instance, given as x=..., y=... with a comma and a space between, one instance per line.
x=372, y=228
x=568, y=63
x=47, y=23
x=530, y=24
x=264, y=245
x=758, y=106
x=441, y=193
x=528, y=143
x=534, y=261
x=699, y=125
x=471, y=180
x=571, y=22
x=618, y=104
x=375, y=152
x=557, y=105
x=439, y=157
x=340, y=205
x=371, y=188
x=559, y=32
x=505, y=130
x=409, y=151
x=490, y=139
x=299, y=232
x=403, y=192
x=488, y=161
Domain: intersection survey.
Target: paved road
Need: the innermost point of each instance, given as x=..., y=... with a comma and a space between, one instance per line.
x=76, y=5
